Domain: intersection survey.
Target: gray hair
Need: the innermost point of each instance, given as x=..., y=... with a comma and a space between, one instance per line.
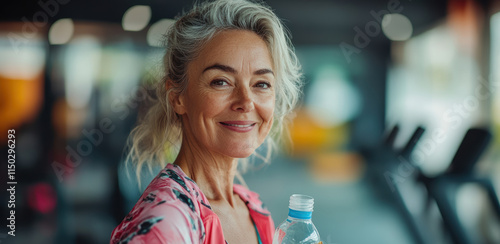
x=157, y=137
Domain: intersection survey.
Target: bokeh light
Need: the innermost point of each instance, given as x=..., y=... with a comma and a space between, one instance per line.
x=136, y=18
x=157, y=31
x=61, y=31
x=397, y=27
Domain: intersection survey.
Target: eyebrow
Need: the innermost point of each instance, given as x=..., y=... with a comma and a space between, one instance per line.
x=229, y=69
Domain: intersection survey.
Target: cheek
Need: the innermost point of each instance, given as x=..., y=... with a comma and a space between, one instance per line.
x=267, y=112
x=268, y=107
x=213, y=104
x=205, y=106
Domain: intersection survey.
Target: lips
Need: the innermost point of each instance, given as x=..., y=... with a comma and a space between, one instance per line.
x=239, y=126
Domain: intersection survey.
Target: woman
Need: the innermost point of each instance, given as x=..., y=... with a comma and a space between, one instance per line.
x=231, y=79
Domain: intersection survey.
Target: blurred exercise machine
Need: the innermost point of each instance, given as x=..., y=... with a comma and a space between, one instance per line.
x=440, y=188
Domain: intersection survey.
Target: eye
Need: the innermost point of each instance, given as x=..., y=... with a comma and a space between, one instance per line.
x=219, y=83
x=263, y=84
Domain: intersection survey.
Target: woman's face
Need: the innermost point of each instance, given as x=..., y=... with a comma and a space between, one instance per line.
x=228, y=105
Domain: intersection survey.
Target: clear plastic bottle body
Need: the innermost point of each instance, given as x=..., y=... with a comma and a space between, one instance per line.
x=295, y=231
x=298, y=228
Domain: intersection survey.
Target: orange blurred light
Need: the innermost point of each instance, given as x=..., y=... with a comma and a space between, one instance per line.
x=308, y=137
x=20, y=101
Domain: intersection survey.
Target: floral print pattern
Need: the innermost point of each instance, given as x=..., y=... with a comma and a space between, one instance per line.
x=173, y=209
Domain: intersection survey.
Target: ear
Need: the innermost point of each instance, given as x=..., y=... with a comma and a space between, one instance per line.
x=175, y=99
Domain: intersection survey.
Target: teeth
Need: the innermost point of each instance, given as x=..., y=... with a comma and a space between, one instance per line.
x=239, y=125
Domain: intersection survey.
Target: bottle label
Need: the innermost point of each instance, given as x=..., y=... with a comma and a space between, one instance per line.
x=299, y=214
x=281, y=235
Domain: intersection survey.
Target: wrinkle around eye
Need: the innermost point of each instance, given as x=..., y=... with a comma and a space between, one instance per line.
x=265, y=83
x=219, y=83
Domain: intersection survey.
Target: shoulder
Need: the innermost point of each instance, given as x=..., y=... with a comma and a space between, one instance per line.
x=258, y=211
x=251, y=198
x=167, y=208
x=165, y=223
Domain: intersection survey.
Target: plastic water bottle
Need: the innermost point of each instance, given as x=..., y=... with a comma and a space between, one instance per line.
x=298, y=227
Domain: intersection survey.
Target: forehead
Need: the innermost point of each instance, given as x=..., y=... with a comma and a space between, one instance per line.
x=235, y=48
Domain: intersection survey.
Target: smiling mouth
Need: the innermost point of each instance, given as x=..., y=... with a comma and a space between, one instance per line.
x=240, y=126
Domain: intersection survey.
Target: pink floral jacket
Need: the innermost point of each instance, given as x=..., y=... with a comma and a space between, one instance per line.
x=172, y=209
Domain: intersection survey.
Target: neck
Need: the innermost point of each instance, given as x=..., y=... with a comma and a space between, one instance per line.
x=214, y=173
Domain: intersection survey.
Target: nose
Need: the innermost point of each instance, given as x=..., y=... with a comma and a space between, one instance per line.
x=243, y=101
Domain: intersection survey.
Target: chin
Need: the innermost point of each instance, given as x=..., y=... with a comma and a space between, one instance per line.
x=246, y=155
x=241, y=154
x=239, y=151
